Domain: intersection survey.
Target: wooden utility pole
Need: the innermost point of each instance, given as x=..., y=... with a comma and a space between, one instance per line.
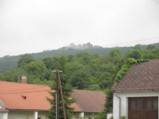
x=59, y=95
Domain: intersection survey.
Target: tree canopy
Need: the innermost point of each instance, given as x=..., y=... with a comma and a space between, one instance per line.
x=80, y=71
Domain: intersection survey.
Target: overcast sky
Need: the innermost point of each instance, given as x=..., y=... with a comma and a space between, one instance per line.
x=28, y=26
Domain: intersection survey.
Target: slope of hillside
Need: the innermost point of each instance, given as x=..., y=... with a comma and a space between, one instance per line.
x=9, y=62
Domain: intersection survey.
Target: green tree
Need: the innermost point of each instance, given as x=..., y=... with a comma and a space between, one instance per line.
x=108, y=107
x=78, y=74
x=36, y=68
x=13, y=74
x=137, y=47
x=80, y=80
x=49, y=62
x=116, y=58
x=136, y=54
x=84, y=58
x=106, y=80
x=67, y=90
x=148, y=54
x=25, y=59
x=150, y=47
x=151, y=52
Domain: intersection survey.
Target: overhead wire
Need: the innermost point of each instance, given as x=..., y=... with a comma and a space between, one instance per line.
x=156, y=39
x=21, y=92
x=155, y=1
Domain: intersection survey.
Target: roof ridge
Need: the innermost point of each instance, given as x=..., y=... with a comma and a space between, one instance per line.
x=89, y=90
x=24, y=83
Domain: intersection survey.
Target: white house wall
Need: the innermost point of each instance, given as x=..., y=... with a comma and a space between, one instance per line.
x=84, y=115
x=25, y=115
x=115, y=107
x=124, y=101
x=15, y=114
x=3, y=115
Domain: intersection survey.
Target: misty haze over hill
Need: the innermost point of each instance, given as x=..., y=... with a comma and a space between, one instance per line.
x=80, y=46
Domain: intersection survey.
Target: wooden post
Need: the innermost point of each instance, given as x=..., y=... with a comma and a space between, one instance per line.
x=59, y=93
x=57, y=96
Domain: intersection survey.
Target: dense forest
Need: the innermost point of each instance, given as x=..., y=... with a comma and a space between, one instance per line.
x=84, y=70
x=10, y=62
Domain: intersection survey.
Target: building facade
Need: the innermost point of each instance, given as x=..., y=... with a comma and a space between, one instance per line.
x=136, y=96
x=30, y=101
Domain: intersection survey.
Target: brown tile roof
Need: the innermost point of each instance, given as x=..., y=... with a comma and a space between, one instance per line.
x=140, y=77
x=22, y=96
x=89, y=101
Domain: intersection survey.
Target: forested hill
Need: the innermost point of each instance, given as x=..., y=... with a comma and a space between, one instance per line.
x=10, y=62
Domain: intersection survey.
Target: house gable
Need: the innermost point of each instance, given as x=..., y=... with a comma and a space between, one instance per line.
x=89, y=101
x=137, y=91
x=140, y=77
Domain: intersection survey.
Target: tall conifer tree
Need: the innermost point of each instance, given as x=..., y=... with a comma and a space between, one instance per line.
x=67, y=90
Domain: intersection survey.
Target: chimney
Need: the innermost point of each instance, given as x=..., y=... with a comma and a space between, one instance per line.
x=22, y=79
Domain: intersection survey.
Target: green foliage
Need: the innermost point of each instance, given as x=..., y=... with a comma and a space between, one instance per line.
x=49, y=63
x=124, y=69
x=111, y=117
x=151, y=47
x=52, y=111
x=108, y=105
x=13, y=74
x=106, y=80
x=92, y=69
x=67, y=90
x=136, y=54
x=79, y=75
x=35, y=68
x=83, y=70
x=25, y=59
x=84, y=57
x=10, y=62
x=123, y=117
x=80, y=80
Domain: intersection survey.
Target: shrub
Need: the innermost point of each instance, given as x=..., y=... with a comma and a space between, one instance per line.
x=123, y=117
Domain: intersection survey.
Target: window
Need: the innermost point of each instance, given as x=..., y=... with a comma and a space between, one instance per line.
x=155, y=104
x=136, y=104
x=151, y=104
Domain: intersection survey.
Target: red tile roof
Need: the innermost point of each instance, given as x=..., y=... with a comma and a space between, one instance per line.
x=3, y=110
x=75, y=107
x=22, y=96
x=89, y=101
x=140, y=77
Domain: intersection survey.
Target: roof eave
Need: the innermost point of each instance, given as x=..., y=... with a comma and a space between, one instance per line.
x=136, y=90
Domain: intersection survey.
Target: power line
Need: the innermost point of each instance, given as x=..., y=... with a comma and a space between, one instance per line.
x=156, y=39
x=155, y=1
x=24, y=92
